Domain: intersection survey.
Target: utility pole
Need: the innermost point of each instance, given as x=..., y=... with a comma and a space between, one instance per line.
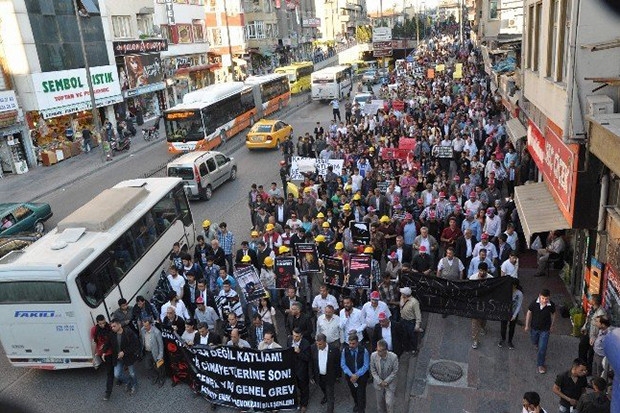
x=461, y=22
x=89, y=81
x=417, y=25
x=232, y=62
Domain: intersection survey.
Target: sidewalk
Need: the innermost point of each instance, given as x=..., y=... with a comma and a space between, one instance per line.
x=43, y=180
x=494, y=379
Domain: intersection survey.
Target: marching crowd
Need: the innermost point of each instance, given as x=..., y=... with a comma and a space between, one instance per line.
x=448, y=216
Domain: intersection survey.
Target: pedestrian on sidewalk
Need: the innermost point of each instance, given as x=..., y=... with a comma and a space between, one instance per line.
x=571, y=385
x=87, y=139
x=596, y=401
x=517, y=301
x=531, y=403
x=478, y=325
x=539, y=321
x=384, y=370
x=589, y=331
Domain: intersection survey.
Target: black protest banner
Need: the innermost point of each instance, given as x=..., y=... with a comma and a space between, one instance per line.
x=176, y=361
x=489, y=299
x=359, y=271
x=308, y=256
x=360, y=232
x=284, y=269
x=250, y=284
x=238, y=378
x=334, y=271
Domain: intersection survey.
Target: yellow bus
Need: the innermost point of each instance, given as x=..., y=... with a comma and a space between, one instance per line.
x=298, y=75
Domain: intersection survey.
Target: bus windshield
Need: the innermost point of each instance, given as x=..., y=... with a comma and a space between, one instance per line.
x=34, y=292
x=184, y=126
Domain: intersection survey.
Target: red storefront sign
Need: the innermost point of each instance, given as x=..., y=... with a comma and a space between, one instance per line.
x=558, y=163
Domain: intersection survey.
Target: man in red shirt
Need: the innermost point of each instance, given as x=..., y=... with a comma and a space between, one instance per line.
x=450, y=234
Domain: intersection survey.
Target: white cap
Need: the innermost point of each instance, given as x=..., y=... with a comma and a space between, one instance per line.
x=405, y=290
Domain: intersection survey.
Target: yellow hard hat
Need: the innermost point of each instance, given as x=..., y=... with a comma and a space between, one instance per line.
x=325, y=225
x=348, y=187
x=254, y=234
x=339, y=246
x=320, y=215
x=283, y=249
x=269, y=227
x=269, y=261
x=385, y=218
x=371, y=149
x=246, y=258
x=357, y=197
x=346, y=207
x=307, y=189
x=206, y=223
x=368, y=250
x=319, y=238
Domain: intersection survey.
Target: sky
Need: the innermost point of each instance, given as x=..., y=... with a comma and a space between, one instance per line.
x=373, y=5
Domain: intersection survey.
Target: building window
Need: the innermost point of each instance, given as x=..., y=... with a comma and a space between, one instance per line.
x=493, y=12
x=185, y=33
x=268, y=6
x=256, y=30
x=554, y=28
x=565, y=38
x=145, y=24
x=215, y=36
x=199, y=35
x=121, y=27
x=537, y=38
x=166, y=32
x=530, y=37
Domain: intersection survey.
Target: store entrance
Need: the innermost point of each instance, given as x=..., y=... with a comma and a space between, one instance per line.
x=12, y=154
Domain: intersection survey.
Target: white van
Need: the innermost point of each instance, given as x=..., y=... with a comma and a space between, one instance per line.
x=202, y=172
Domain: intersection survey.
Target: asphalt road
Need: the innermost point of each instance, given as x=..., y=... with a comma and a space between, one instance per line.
x=82, y=390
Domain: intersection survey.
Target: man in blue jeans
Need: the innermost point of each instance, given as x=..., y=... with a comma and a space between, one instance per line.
x=125, y=346
x=539, y=322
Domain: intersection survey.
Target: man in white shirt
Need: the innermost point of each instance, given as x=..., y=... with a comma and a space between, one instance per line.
x=335, y=104
x=351, y=321
x=176, y=281
x=178, y=305
x=371, y=311
x=236, y=340
x=493, y=224
x=485, y=244
x=356, y=181
x=478, y=325
x=510, y=267
x=323, y=299
x=268, y=342
x=329, y=325
x=512, y=236
x=554, y=246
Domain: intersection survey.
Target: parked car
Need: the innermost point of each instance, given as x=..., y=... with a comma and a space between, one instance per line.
x=362, y=99
x=23, y=217
x=268, y=133
x=370, y=76
x=202, y=172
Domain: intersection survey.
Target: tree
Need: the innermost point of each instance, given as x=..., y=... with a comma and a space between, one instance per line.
x=363, y=34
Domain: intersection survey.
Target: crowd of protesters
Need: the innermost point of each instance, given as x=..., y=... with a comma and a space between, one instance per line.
x=429, y=213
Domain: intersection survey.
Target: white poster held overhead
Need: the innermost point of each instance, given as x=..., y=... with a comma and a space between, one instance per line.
x=300, y=164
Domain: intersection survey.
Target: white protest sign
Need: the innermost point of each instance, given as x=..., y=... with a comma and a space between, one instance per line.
x=300, y=164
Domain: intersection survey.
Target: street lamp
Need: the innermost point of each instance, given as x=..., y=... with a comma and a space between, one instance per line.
x=80, y=13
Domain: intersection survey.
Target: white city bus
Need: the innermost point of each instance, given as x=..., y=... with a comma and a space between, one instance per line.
x=113, y=247
x=332, y=83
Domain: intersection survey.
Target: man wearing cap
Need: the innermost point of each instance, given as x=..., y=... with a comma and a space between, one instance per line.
x=244, y=251
x=492, y=225
x=207, y=315
x=272, y=239
x=425, y=240
x=322, y=300
x=371, y=311
x=478, y=326
x=210, y=233
x=392, y=332
x=422, y=262
x=473, y=204
x=488, y=246
x=411, y=319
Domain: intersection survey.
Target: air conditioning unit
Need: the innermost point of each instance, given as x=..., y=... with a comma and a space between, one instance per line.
x=599, y=105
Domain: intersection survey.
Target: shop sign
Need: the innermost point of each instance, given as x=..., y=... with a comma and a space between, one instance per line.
x=8, y=102
x=170, y=13
x=66, y=91
x=381, y=34
x=141, y=70
x=144, y=89
x=8, y=118
x=123, y=48
x=558, y=163
x=311, y=22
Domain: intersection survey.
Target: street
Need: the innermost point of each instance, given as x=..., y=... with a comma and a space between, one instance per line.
x=500, y=375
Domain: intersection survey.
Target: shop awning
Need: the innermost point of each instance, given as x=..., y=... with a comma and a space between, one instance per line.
x=515, y=130
x=198, y=68
x=538, y=211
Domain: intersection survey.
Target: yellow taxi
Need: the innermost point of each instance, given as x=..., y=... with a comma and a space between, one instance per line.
x=268, y=133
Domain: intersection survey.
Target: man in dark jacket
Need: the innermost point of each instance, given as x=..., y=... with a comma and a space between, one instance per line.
x=325, y=368
x=297, y=319
x=125, y=346
x=597, y=401
x=256, y=332
x=301, y=347
x=246, y=250
x=102, y=336
x=397, y=337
